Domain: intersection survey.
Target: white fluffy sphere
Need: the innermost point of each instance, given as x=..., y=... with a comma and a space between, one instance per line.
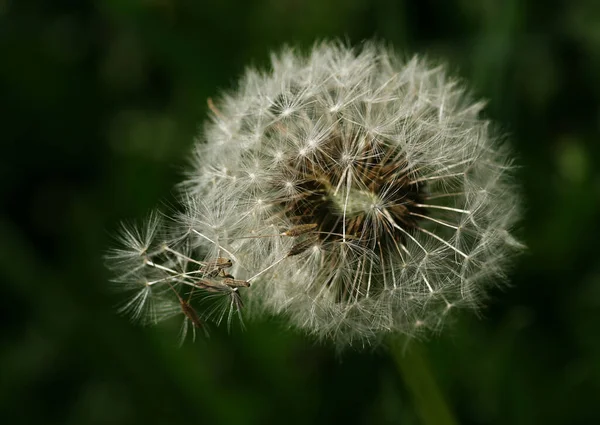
x=356, y=193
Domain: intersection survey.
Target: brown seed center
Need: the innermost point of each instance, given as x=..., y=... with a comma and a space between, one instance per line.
x=369, y=195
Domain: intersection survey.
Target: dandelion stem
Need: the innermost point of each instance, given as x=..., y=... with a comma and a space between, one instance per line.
x=429, y=401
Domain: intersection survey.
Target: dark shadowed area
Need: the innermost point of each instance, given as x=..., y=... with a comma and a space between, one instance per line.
x=100, y=105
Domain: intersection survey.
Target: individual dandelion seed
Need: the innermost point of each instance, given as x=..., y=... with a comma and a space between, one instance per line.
x=163, y=280
x=360, y=194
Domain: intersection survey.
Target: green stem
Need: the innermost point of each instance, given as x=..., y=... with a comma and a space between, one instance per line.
x=429, y=401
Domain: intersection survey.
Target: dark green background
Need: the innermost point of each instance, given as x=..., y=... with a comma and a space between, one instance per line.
x=100, y=103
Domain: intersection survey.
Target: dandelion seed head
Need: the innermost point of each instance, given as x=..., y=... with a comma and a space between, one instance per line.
x=400, y=197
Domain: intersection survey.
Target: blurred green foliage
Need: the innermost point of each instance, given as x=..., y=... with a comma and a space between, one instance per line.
x=101, y=101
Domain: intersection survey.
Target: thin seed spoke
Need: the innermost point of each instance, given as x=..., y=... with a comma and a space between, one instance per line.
x=369, y=281
x=443, y=223
x=456, y=164
x=266, y=269
x=215, y=243
x=427, y=282
x=164, y=279
x=346, y=205
x=403, y=249
x=394, y=273
x=445, y=195
x=185, y=257
x=381, y=258
x=393, y=223
x=441, y=207
x=424, y=179
x=178, y=276
x=158, y=266
x=433, y=235
x=354, y=289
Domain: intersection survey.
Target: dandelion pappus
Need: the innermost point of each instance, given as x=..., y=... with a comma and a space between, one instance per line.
x=396, y=191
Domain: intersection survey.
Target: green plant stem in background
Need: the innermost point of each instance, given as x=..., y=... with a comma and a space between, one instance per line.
x=429, y=402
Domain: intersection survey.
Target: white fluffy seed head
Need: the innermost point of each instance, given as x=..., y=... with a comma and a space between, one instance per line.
x=359, y=194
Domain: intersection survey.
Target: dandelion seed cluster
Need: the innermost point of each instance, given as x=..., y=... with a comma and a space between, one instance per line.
x=356, y=193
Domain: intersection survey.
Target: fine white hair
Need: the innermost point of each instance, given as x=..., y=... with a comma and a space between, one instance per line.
x=357, y=193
